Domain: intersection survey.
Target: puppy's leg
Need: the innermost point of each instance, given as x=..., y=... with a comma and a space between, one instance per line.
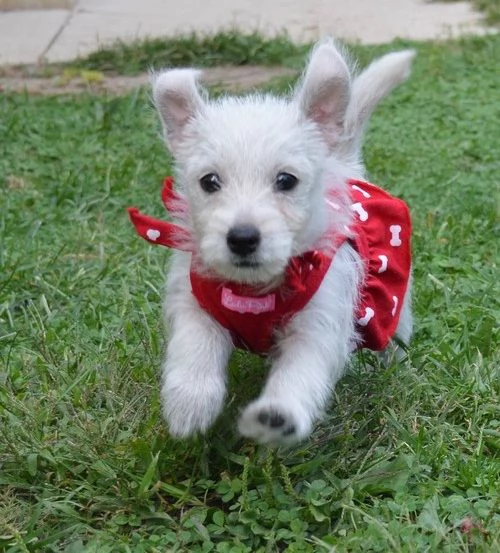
x=194, y=371
x=405, y=325
x=394, y=351
x=310, y=359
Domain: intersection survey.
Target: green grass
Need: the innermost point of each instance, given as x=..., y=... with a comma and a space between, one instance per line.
x=223, y=48
x=408, y=458
x=490, y=8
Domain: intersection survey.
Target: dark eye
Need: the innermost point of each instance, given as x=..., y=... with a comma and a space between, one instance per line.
x=285, y=182
x=210, y=183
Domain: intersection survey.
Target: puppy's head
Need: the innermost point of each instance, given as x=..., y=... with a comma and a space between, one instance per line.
x=255, y=170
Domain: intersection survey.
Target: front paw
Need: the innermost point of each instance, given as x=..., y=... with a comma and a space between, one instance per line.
x=191, y=407
x=274, y=423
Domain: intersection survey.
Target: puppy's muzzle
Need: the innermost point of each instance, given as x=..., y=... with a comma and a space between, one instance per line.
x=243, y=240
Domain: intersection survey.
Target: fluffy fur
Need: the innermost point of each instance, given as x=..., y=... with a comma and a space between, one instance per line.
x=315, y=135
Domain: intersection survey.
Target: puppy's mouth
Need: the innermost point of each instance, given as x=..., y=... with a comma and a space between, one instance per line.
x=246, y=264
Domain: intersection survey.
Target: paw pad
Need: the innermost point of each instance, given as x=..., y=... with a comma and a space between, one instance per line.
x=275, y=420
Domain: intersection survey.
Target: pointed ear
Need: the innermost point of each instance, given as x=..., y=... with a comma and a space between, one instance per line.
x=371, y=86
x=323, y=94
x=177, y=99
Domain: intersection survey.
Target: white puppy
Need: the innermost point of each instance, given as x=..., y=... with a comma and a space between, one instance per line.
x=271, y=196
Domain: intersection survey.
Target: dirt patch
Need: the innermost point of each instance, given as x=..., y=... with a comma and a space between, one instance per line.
x=234, y=78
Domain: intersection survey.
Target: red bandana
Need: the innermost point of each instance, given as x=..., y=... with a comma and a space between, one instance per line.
x=382, y=231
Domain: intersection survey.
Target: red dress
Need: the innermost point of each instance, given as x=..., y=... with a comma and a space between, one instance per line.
x=381, y=234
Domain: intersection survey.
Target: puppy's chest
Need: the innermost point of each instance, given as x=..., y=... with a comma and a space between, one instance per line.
x=382, y=232
x=252, y=317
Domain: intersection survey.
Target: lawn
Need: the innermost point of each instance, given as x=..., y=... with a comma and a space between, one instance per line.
x=408, y=457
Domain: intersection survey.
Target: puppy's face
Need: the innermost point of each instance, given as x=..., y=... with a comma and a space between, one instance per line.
x=255, y=170
x=251, y=170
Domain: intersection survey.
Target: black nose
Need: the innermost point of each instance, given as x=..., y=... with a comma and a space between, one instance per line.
x=243, y=239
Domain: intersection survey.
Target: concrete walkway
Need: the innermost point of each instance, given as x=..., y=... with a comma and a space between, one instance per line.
x=59, y=35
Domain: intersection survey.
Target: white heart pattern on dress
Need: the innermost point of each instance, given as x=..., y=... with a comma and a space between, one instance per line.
x=153, y=234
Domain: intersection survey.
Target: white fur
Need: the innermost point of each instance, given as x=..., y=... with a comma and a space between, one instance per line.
x=316, y=136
